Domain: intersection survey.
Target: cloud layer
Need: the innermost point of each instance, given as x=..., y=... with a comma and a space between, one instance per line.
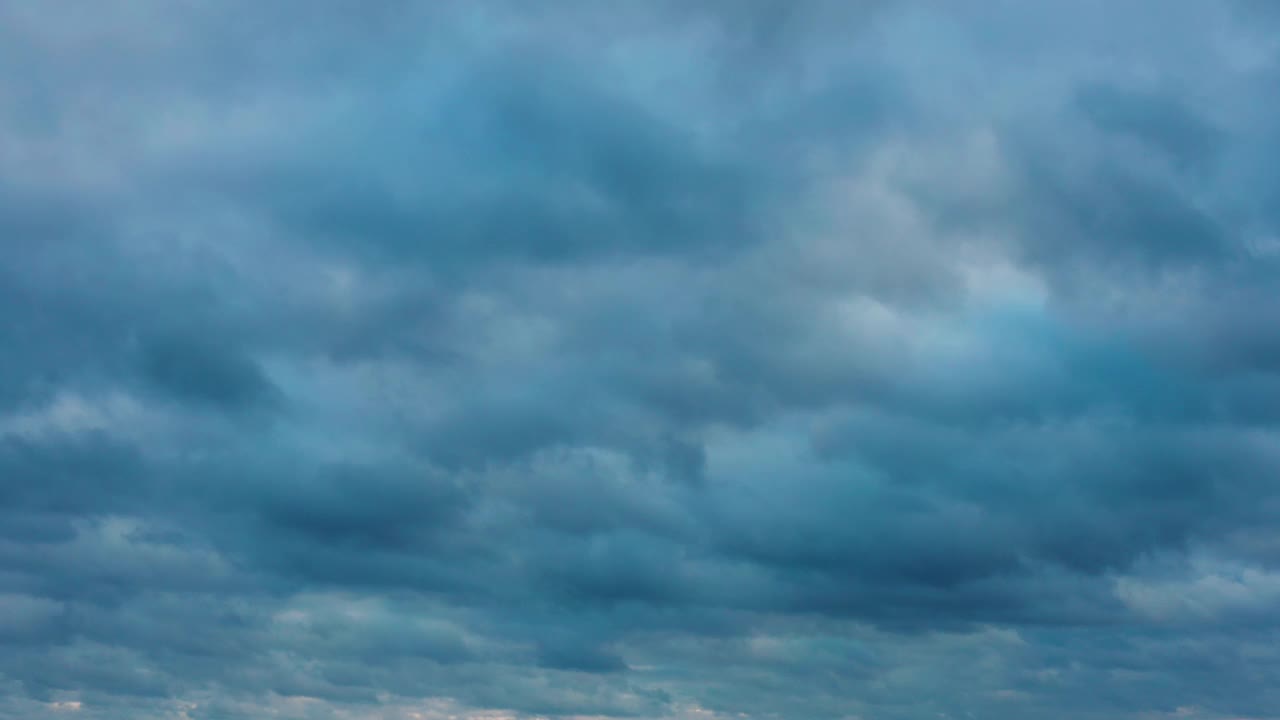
x=681, y=361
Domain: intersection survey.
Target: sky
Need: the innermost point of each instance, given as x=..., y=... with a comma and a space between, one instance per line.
x=736, y=360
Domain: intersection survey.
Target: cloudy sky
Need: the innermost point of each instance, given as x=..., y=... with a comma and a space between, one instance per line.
x=647, y=358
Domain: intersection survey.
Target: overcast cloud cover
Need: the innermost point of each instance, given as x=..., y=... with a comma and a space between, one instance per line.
x=667, y=360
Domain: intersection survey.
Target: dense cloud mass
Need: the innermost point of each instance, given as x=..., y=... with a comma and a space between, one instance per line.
x=649, y=359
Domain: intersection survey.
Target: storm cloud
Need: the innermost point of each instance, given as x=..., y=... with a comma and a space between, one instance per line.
x=645, y=359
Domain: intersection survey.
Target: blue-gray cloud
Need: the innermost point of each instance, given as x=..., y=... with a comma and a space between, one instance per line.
x=655, y=360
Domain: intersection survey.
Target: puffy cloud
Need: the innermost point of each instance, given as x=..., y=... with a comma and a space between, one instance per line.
x=661, y=360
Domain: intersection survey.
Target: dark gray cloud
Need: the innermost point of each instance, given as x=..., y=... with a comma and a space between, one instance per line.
x=650, y=359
